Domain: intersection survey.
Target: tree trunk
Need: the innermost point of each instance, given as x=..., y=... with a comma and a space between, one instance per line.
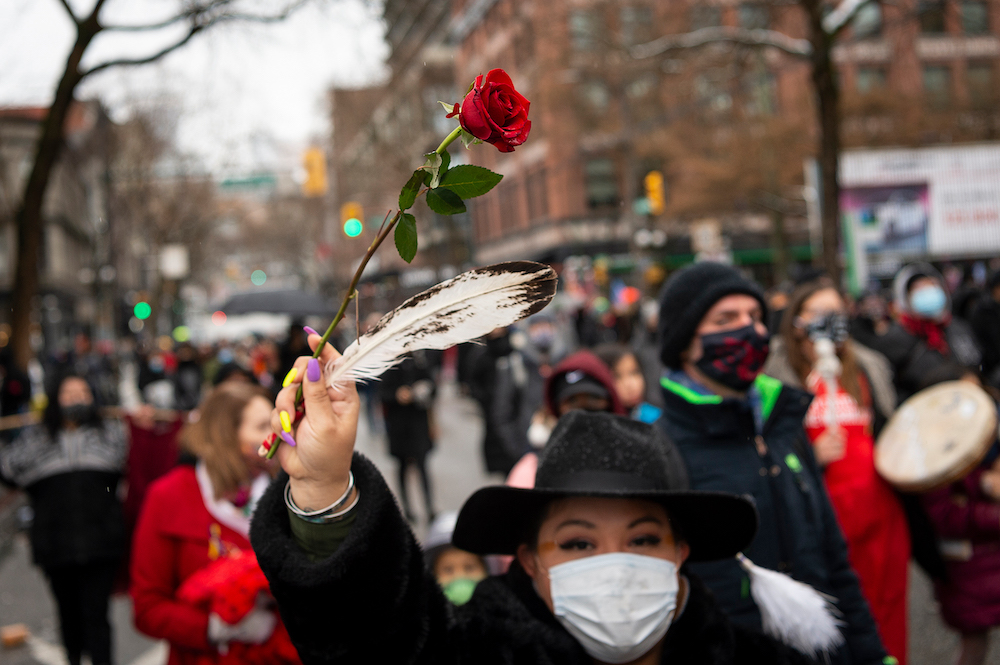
x=828, y=115
x=29, y=218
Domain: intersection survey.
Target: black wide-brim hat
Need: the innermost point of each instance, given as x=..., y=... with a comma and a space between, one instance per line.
x=603, y=455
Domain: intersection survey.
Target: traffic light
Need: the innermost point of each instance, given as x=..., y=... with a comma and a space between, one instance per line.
x=654, y=192
x=351, y=214
x=314, y=162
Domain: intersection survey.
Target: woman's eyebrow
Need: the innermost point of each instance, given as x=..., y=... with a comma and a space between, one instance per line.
x=647, y=518
x=577, y=522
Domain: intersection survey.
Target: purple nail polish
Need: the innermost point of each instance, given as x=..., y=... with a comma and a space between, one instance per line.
x=312, y=370
x=288, y=438
x=309, y=330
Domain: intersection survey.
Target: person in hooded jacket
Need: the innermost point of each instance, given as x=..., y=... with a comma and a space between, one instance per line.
x=986, y=324
x=70, y=466
x=741, y=431
x=924, y=335
x=579, y=381
x=606, y=526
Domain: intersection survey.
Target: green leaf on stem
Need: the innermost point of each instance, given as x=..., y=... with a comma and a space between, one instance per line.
x=408, y=194
x=469, y=181
x=468, y=140
x=406, y=237
x=444, y=201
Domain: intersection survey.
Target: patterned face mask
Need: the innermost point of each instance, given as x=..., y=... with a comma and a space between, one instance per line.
x=734, y=358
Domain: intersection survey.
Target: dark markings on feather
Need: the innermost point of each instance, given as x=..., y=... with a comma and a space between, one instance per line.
x=536, y=293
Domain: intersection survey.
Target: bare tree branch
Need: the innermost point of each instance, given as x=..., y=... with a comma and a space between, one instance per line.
x=69, y=10
x=845, y=12
x=199, y=23
x=191, y=12
x=714, y=35
x=122, y=62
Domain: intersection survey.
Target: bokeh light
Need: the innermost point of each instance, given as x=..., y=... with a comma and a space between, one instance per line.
x=258, y=277
x=136, y=325
x=182, y=334
x=353, y=227
x=142, y=310
x=219, y=317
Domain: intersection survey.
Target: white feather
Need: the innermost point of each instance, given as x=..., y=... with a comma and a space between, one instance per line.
x=794, y=613
x=459, y=310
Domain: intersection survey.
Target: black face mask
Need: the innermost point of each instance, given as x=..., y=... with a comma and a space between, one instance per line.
x=734, y=358
x=77, y=413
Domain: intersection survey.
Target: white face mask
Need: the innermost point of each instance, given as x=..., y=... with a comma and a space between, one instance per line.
x=617, y=606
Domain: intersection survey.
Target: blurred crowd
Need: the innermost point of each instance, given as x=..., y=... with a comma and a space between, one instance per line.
x=145, y=459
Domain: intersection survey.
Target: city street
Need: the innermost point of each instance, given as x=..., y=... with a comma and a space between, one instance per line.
x=457, y=469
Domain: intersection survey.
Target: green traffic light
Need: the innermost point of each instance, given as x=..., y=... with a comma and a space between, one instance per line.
x=353, y=227
x=142, y=310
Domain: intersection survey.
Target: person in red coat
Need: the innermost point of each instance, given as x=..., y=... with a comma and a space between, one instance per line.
x=198, y=516
x=841, y=426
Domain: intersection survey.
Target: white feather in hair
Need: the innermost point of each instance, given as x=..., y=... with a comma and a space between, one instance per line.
x=459, y=310
x=792, y=612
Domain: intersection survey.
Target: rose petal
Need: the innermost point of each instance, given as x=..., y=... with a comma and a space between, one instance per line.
x=472, y=118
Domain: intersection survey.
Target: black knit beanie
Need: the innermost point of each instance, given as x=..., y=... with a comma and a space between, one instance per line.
x=688, y=295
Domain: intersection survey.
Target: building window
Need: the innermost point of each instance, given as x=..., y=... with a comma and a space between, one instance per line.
x=761, y=92
x=754, y=16
x=705, y=16
x=601, y=182
x=931, y=15
x=596, y=95
x=636, y=24
x=979, y=81
x=869, y=79
x=583, y=29
x=868, y=21
x=937, y=86
x=975, y=18
x=710, y=89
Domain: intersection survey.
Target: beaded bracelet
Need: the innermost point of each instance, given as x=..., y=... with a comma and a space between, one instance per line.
x=332, y=513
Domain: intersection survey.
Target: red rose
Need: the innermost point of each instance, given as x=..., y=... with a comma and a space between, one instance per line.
x=495, y=112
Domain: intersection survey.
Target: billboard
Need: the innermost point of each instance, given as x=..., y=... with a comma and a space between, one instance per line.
x=934, y=203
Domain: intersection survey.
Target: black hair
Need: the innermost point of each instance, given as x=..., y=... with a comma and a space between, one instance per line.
x=611, y=353
x=53, y=416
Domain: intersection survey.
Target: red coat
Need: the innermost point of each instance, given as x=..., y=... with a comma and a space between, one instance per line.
x=965, y=515
x=173, y=540
x=872, y=519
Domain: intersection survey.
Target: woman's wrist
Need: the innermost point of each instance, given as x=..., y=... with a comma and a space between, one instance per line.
x=310, y=495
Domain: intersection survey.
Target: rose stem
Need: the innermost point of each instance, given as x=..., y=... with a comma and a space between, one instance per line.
x=352, y=292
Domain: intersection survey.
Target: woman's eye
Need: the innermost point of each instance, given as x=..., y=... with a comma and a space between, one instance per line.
x=646, y=541
x=575, y=546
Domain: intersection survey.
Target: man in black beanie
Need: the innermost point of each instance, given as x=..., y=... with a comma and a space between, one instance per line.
x=740, y=431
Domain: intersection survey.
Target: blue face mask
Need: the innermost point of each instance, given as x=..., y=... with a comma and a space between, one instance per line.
x=929, y=301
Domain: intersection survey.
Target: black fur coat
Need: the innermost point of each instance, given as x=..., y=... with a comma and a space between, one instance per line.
x=373, y=601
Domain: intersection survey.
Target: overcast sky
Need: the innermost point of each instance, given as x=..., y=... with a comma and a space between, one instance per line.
x=237, y=91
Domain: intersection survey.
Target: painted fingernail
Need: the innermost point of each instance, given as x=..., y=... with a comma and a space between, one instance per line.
x=309, y=330
x=292, y=373
x=286, y=421
x=312, y=370
x=288, y=439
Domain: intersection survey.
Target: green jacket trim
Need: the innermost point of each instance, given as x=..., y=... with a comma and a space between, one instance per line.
x=768, y=387
x=689, y=395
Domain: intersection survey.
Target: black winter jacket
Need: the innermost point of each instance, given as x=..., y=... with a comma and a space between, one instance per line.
x=799, y=533
x=373, y=601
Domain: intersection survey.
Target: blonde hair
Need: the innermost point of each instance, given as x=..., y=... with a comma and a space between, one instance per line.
x=214, y=437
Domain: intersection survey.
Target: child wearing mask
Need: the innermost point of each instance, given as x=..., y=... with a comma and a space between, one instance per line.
x=456, y=571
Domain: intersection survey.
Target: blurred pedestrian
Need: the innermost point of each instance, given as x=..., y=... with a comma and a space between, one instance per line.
x=925, y=334
x=520, y=378
x=198, y=515
x=605, y=528
x=630, y=381
x=986, y=325
x=407, y=393
x=850, y=407
x=187, y=378
x=484, y=360
x=457, y=572
x=741, y=431
x=966, y=515
x=70, y=466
